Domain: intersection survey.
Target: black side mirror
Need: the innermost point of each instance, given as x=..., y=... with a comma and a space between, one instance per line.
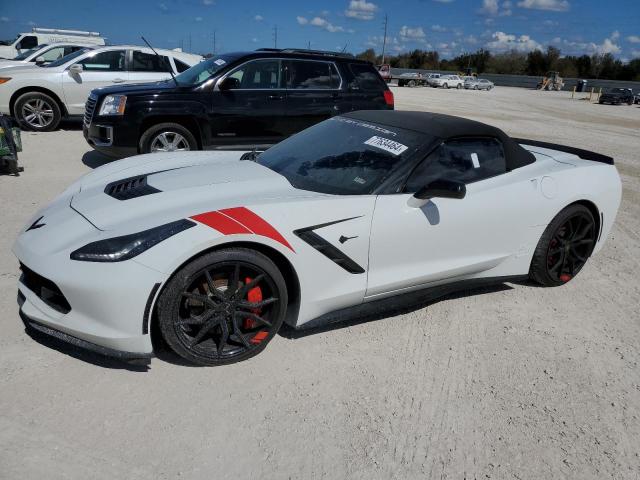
x=440, y=188
x=229, y=83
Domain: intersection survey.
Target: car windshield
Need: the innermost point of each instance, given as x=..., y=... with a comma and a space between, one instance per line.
x=619, y=90
x=204, y=70
x=348, y=157
x=65, y=59
x=25, y=54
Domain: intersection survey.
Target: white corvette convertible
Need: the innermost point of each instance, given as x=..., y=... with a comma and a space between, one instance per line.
x=214, y=251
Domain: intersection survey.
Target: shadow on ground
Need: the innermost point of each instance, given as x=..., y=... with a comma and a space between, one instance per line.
x=95, y=159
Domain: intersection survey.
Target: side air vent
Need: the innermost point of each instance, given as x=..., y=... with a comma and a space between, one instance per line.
x=129, y=188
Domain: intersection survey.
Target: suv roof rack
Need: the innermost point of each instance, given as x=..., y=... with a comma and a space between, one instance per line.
x=303, y=51
x=64, y=32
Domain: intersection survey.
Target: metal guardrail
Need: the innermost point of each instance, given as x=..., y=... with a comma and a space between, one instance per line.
x=528, y=81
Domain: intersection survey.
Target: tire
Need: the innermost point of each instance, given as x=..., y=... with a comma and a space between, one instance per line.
x=445, y=85
x=475, y=87
x=37, y=111
x=180, y=310
x=411, y=83
x=572, y=233
x=177, y=137
x=459, y=86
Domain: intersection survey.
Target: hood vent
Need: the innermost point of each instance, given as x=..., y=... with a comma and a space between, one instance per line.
x=129, y=188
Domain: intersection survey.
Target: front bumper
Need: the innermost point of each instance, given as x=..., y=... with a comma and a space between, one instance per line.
x=112, y=139
x=107, y=305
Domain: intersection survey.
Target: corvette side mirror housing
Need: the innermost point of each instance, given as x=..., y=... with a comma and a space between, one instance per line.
x=440, y=188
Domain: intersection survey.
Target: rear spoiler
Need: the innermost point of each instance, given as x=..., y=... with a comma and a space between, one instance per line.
x=584, y=154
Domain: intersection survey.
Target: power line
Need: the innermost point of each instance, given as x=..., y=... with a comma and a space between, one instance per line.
x=384, y=40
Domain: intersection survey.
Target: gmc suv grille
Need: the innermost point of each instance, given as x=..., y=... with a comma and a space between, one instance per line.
x=45, y=289
x=89, y=107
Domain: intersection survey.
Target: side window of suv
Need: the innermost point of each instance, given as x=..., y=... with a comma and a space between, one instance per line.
x=258, y=75
x=149, y=62
x=180, y=66
x=465, y=160
x=53, y=54
x=303, y=74
x=367, y=77
x=111, y=61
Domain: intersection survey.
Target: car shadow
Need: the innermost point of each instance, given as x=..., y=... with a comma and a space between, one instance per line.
x=96, y=359
x=386, y=308
x=95, y=159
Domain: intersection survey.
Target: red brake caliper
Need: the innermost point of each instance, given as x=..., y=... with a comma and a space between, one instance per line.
x=254, y=295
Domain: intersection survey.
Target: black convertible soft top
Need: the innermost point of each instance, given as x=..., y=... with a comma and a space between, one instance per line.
x=447, y=127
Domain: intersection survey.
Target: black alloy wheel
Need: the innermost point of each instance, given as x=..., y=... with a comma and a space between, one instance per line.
x=565, y=246
x=223, y=307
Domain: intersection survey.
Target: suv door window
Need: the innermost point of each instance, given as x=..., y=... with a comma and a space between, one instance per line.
x=53, y=54
x=367, y=77
x=464, y=160
x=149, y=62
x=111, y=61
x=312, y=75
x=30, y=41
x=258, y=75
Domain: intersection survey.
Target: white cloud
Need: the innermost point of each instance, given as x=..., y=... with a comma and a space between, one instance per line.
x=258, y=18
x=607, y=46
x=635, y=53
x=208, y=2
x=438, y=28
x=494, y=8
x=443, y=1
x=615, y=35
x=31, y=23
x=4, y=19
x=321, y=23
x=630, y=38
x=553, y=5
x=361, y=10
x=409, y=33
x=504, y=42
x=198, y=19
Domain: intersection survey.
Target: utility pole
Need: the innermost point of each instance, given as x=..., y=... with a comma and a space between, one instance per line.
x=309, y=45
x=190, y=43
x=214, y=43
x=384, y=40
x=275, y=36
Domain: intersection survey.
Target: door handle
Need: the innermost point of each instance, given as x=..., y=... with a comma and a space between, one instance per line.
x=275, y=97
x=118, y=80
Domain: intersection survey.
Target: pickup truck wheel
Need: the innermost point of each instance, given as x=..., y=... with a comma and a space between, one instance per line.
x=167, y=137
x=37, y=111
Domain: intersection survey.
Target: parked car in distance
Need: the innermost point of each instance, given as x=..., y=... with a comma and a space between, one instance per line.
x=616, y=96
x=45, y=54
x=411, y=79
x=38, y=98
x=40, y=36
x=431, y=77
x=385, y=72
x=636, y=98
x=245, y=99
x=478, y=84
x=448, y=81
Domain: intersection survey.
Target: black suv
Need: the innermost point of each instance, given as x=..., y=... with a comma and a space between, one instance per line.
x=241, y=100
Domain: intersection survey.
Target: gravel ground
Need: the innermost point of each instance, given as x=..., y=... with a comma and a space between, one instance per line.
x=511, y=382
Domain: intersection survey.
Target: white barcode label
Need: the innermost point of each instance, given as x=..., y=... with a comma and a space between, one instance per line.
x=219, y=62
x=475, y=160
x=387, y=145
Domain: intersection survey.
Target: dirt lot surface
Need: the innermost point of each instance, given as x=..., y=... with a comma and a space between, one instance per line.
x=514, y=382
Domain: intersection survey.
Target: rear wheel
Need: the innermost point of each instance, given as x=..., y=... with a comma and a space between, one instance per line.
x=459, y=86
x=167, y=137
x=223, y=307
x=564, y=247
x=37, y=111
x=412, y=83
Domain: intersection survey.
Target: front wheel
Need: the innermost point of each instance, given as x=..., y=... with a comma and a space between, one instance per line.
x=167, y=137
x=446, y=85
x=564, y=247
x=223, y=307
x=459, y=86
x=37, y=111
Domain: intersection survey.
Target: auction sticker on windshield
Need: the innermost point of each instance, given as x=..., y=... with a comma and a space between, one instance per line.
x=390, y=146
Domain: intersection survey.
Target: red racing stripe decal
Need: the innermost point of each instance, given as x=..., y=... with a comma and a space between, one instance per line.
x=256, y=224
x=221, y=223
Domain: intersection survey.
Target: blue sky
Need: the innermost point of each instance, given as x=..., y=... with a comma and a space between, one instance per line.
x=450, y=26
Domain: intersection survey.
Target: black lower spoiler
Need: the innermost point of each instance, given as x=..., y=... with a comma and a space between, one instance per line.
x=584, y=154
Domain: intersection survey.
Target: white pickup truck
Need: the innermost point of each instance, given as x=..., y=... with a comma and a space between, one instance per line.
x=45, y=36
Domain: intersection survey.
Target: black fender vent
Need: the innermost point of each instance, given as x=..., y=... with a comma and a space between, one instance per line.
x=128, y=188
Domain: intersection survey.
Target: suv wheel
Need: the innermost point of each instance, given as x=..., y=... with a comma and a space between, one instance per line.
x=446, y=85
x=37, y=111
x=167, y=137
x=459, y=86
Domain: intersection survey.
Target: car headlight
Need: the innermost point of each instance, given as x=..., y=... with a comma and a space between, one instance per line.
x=118, y=249
x=113, y=105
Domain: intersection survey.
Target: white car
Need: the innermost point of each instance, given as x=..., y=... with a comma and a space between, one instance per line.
x=44, y=54
x=213, y=251
x=40, y=97
x=40, y=36
x=448, y=81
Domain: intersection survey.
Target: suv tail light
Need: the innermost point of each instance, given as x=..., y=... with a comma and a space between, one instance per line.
x=388, y=97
